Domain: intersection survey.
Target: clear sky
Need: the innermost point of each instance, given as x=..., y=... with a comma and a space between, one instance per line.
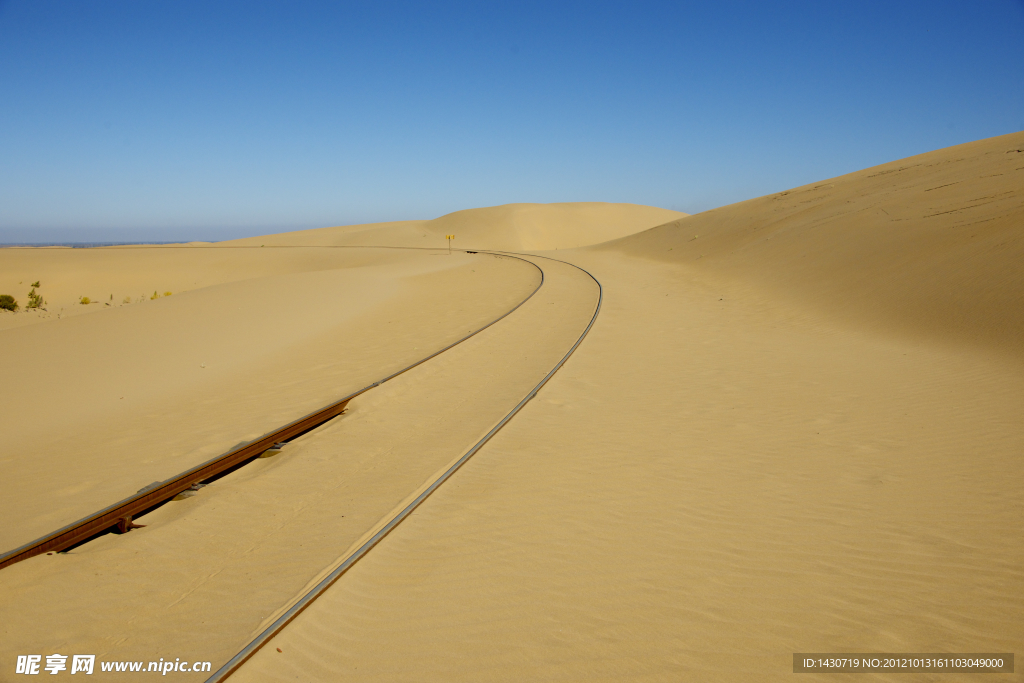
x=158, y=120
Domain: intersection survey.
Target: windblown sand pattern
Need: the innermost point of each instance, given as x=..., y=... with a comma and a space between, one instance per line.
x=735, y=466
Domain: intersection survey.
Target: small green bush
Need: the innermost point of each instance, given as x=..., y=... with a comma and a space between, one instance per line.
x=35, y=300
x=85, y=301
x=35, y=284
x=8, y=303
x=155, y=295
x=167, y=293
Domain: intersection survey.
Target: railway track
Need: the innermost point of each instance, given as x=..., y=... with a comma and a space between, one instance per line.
x=120, y=516
x=347, y=562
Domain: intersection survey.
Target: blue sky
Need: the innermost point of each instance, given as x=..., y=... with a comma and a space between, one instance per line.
x=152, y=120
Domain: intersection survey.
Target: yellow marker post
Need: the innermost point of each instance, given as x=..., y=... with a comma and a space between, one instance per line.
x=449, y=238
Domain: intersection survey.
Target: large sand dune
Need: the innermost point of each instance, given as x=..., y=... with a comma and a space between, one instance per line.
x=931, y=245
x=795, y=426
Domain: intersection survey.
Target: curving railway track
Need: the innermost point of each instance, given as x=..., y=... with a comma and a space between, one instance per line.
x=120, y=515
x=346, y=563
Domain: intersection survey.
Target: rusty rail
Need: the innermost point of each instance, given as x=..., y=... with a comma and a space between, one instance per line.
x=120, y=515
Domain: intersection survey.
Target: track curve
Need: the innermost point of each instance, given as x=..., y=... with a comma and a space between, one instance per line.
x=120, y=515
x=310, y=596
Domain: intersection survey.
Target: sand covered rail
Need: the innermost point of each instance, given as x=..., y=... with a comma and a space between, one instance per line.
x=134, y=395
x=388, y=525
x=120, y=515
x=237, y=554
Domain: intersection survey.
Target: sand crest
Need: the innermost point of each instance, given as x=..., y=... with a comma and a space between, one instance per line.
x=515, y=227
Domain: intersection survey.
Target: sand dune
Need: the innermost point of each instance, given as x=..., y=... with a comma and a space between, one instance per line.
x=930, y=245
x=795, y=426
x=109, y=276
x=515, y=227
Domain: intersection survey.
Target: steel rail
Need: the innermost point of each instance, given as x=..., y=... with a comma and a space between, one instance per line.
x=120, y=515
x=302, y=603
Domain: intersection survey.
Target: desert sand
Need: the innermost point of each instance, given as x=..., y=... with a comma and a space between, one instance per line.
x=794, y=427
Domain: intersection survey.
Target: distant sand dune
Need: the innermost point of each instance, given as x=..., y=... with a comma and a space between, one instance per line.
x=528, y=227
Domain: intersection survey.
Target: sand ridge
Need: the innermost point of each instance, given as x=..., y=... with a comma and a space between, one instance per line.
x=514, y=227
x=930, y=246
x=109, y=275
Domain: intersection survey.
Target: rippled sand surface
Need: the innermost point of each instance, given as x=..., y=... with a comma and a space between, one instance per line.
x=736, y=466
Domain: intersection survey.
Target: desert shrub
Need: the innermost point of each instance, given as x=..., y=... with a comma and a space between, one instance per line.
x=155, y=295
x=35, y=300
x=167, y=293
x=35, y=284
x=85, y=301
x=8, y=303
x=127, y=300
